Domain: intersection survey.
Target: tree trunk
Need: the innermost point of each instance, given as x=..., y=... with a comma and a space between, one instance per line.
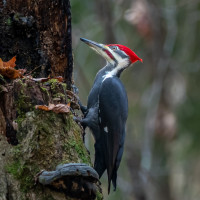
x=32, y=140
x=39, y=34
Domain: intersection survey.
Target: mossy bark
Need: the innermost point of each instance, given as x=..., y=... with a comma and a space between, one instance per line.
x=42, y=139
x=38, y=33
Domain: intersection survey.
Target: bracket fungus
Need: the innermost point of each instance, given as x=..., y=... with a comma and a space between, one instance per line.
x=74, y=179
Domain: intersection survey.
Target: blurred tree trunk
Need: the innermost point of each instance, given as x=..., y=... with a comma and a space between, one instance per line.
x=105, y=14
x=39, y=34
x=151, y=179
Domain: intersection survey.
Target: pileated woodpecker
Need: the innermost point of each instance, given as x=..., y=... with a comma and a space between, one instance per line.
x=107, y=108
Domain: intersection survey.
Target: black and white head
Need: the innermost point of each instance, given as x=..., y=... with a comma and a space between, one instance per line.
x=119, y=56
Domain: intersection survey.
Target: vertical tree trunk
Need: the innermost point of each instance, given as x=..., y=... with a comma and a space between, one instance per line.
x=39, y=34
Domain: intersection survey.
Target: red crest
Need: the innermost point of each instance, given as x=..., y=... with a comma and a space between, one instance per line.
x=129, y=52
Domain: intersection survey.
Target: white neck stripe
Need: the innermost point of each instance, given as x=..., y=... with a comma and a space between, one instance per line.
x=122, y=64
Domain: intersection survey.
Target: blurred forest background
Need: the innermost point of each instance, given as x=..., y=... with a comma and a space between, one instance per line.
x=161, y=158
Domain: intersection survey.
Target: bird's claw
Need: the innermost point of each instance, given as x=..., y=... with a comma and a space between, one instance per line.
x=76, y=119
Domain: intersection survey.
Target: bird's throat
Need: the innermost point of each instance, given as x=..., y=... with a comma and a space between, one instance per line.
x=116, y=70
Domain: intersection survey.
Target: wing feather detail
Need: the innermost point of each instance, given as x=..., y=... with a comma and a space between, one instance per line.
x=113, y=109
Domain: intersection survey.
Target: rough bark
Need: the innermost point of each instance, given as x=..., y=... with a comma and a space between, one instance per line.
x=42, y=140
x=39, y=34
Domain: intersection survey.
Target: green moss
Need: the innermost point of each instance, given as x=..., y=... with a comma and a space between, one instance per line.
x=22, y=102
x=59, y=95
x=58, y=89
x=2, y=78
x=20, y=119
x=74, y=142
x=17, y=151
x=99, y=196
x=53, y=83
x=46, y=140
x=16, y=16
x=45, y=93
x=52, y=117
x=21, y=83
x=64, y=85
x=80, y=149
x=78, y=145
x=23, y=174
x=14, y=168
x=39, y=144
x=22, y=171
x=44, y=127
x=68, y=124
x=8, y=22
x=44, y=89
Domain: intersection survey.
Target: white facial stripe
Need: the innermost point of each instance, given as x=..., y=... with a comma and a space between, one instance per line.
x=122, y=64
x=118, y=57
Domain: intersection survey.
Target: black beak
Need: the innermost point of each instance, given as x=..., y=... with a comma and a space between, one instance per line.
x=93, y=44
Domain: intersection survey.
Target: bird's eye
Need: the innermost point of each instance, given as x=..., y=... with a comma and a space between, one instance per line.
x=114, y=48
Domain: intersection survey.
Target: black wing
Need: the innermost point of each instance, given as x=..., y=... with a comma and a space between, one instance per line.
x=113, y=110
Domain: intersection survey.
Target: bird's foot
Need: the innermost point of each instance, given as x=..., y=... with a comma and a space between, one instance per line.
x=77, y=119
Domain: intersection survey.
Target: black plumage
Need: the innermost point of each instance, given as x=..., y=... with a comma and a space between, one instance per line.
x=107, y=110
x=106, y=115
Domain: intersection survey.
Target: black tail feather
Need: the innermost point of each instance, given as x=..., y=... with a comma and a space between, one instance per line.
x=99, y=163
x=109, y=187
x=114, y=179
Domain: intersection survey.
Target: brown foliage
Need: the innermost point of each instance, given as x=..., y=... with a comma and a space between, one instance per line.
x=59, y=108
x=7, y=69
